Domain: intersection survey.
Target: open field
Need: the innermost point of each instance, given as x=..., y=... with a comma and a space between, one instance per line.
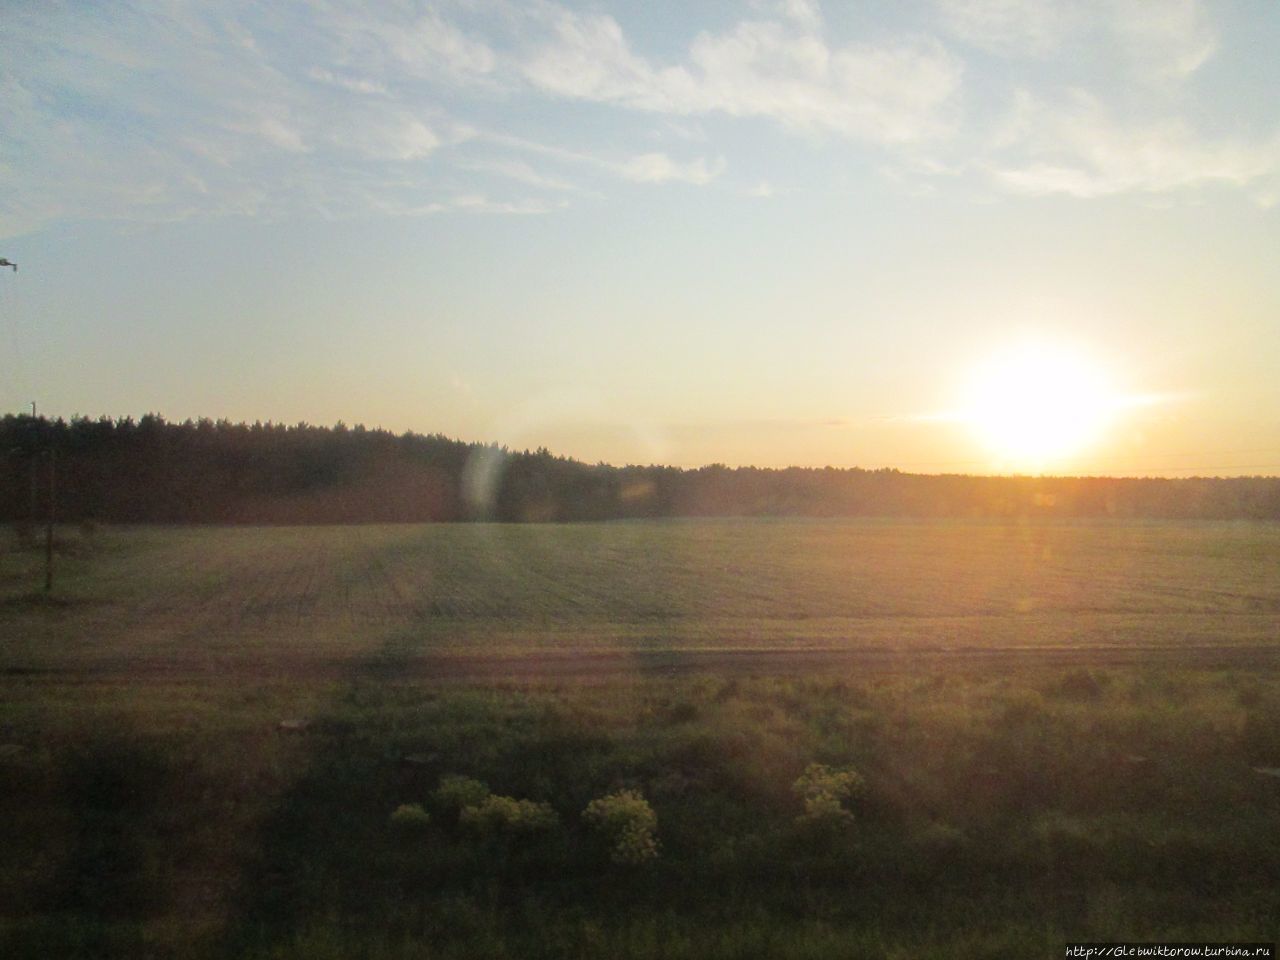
x=1059, y=727
x=314, y=597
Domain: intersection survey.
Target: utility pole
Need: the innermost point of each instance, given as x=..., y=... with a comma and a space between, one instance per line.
x=32, y=518
x=35, y=478
x=50, y=518
x=51, y=513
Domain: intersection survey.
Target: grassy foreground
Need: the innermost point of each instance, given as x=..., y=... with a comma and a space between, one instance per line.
x=204, y=736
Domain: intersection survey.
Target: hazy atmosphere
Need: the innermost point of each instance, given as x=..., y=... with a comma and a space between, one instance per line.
x=652, y=481
x=952, y=236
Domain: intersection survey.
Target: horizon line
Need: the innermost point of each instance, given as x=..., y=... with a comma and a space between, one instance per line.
x=902, y=468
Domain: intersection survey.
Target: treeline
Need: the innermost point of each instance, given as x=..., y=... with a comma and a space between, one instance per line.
x=153, y=471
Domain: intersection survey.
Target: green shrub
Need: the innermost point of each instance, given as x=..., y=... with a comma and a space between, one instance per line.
x=410, y=816
x=456, y=792
x=826, y=793
x=628, y=822
x=496, y=815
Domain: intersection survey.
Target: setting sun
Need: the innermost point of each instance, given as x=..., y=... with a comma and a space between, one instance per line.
x=633, y=480
x=1035, y=405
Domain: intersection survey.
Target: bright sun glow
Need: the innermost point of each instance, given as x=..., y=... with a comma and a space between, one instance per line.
x=1037, y=405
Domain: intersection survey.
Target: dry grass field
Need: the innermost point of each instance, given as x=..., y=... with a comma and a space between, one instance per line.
x=1060, y=728
x=318, y=597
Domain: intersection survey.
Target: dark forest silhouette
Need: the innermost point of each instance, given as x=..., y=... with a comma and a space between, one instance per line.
x=153, y=471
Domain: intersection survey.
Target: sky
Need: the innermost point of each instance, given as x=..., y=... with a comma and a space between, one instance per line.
x=940, y=235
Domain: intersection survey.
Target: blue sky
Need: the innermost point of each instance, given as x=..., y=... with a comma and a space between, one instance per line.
x=755, y=233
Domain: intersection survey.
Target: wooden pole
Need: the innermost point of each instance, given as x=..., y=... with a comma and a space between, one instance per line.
x=50, y=517
x=33, y=515
x=35, y=478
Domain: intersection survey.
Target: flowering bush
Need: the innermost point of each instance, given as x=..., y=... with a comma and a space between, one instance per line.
x=826, y=792
x=496, y=815
x=630, y=824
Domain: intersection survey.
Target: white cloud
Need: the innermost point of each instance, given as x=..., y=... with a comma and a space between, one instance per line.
x=402, y=42
x=158, y=111
x=680, y=129
x=887, y=93
x=279, y=133
x=1127, y=137
x=1079, y=148
x=1017, y=27
x=590, y=59
x=520, y=172
x=1169, y=38
x=643, y=168
x=431, y=38
x=659, y=168
x=479, y=203
x=349, y=83
x=805, y=13
x=162, y=112
x=396, y=135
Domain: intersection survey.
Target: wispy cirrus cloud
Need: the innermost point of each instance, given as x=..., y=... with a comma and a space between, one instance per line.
x=659, y=168
x=1076, y=146
x=403, y=41
x=783, y=71
x=643, y=168
x=479, y=203
x=1010, y=27
x=1172, y=38
x=162, y=112
x=348, y=82
x=1133, y=134
x=159, y=111
x=521, y=172
x=652, y=167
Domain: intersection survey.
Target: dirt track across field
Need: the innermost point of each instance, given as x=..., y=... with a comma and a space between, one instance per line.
x=617, y=664
x=831, y=659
